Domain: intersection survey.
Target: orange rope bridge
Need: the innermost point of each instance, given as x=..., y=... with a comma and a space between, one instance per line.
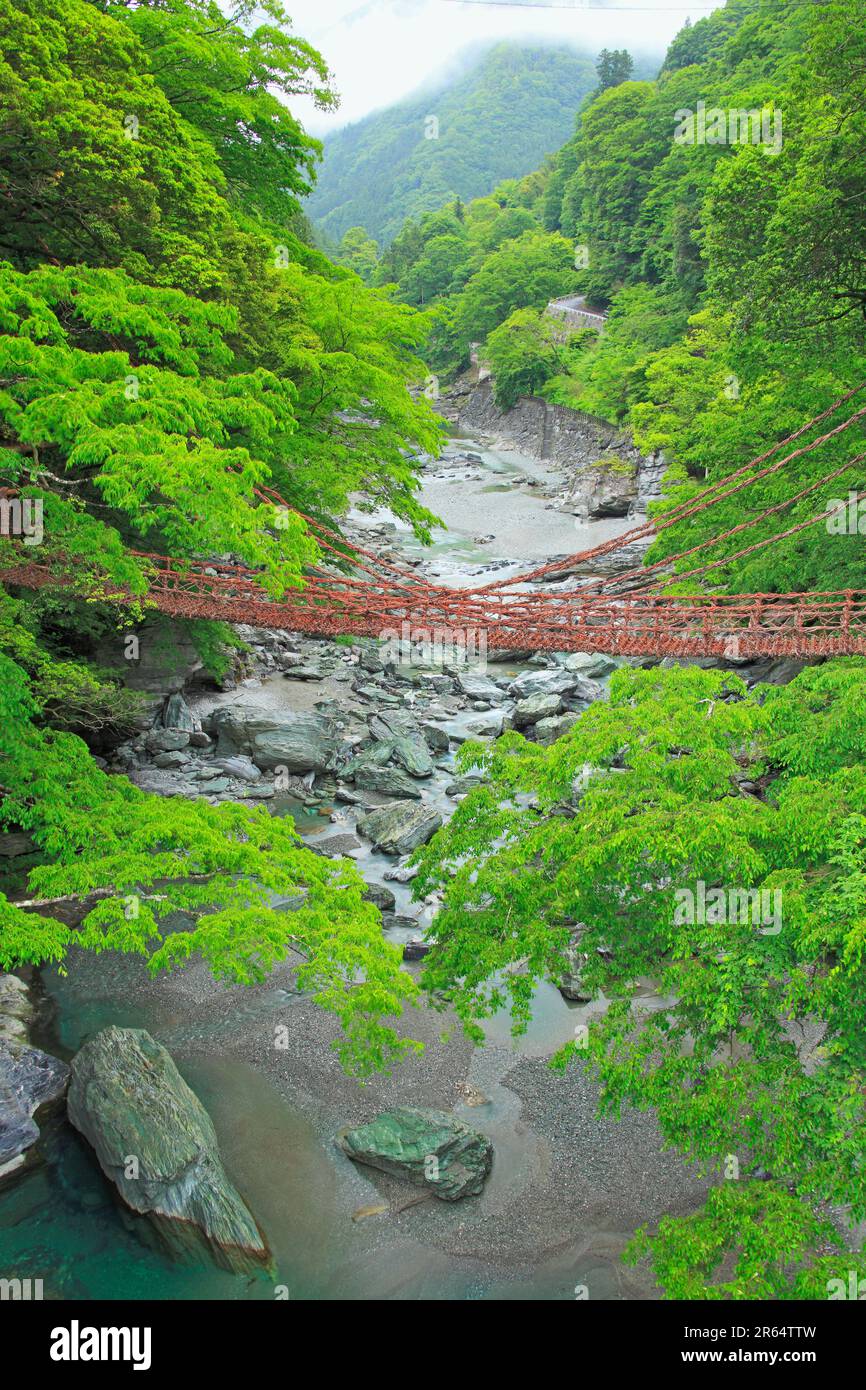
x=625, y=613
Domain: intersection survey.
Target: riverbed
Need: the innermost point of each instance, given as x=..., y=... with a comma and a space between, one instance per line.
x=567, y=1189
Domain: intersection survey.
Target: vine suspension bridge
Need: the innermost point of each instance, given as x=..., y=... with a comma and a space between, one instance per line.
x=354, y=592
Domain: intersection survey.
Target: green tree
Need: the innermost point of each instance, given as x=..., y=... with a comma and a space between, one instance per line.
x=613, y=65
x=523, y=273
x=169, y=342
x=683, y=783
x=522, y=353
x=358, y=252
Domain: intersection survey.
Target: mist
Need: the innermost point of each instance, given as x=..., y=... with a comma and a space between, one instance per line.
x=382, y=50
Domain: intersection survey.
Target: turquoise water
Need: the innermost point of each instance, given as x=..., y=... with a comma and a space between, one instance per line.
x=60, y=1220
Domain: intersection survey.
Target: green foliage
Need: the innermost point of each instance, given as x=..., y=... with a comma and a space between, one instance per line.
x=614, y=65
x=358, y=252
x=754, y=1234
x=147, y=858
x=523, y=353
x=516, y=103
x=168, y=342
x=637, y=803
x=523, y=273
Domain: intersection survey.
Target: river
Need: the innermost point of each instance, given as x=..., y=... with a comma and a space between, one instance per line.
x=567, y=1189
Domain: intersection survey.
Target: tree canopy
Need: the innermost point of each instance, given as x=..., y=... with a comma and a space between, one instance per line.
x=170, y=340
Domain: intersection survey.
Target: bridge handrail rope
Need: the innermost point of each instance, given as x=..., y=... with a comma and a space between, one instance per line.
x=700, y=501
x=587, y=618
x=646, y=571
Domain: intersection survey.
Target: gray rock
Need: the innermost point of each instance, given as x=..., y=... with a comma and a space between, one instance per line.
x=398, y=921
x=556, y=682
x=547, y=731
x=171, y=759
x=487, y=725
x=412, y=753
x=505, y=654
x=428, y=1147
x=130, y=1102
x=297, y=742
x=571, y=985
x=374, y=692
x=374, y=755
x=29, y=1078
x=437, y=739
x=334, y=846
x=606, y=488
x=388, y=724
x=166, y=740
x=177, y=714
x=15, y=843
x=536, y=707
x=15, y=998
x=380, y=896
x=402, y=873
x=593, y=665
x=167, y=658
x=400, y=827
x=479, y=687
x=463, y=784
x=388, y=781
x=416, y=949
x=239, y=766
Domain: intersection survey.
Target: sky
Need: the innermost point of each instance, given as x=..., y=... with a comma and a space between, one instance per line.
x=381, y=50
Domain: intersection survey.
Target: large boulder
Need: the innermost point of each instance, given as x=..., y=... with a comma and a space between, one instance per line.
x=547, y=731
x=164, y=658
x=536, y=707
x=428, y=1147
x=594, y=665
x=132, y=1105
x=435, y=738
x=374, y=755
x=407, y=742
x=606, y=488
x=297, y=742
x=177, y=714
x=488, y=725
x=480, y=687
x=242, y=768
x=388, y=781
x=167, y=740
x=400, y=827
x=571, y=984
x=16, y=1009
x=412, y=753
x=28, y=1078
x=556, y=681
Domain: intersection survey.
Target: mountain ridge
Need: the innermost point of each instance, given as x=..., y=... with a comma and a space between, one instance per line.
x=458, y=137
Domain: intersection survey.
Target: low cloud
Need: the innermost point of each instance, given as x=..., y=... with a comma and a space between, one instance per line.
x=382, y=50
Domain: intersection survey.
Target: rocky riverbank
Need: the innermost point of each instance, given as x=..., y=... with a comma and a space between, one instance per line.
x=357, y=743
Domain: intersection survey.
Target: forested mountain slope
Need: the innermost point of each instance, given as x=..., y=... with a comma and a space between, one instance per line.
x=497, y=120
x=729, y=249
